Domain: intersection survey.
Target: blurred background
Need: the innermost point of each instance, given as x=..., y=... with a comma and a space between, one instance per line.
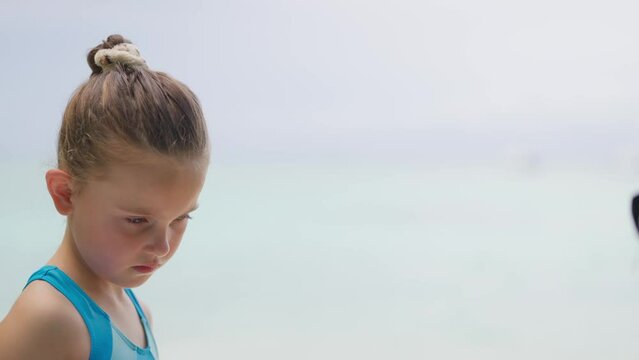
x=390, y=180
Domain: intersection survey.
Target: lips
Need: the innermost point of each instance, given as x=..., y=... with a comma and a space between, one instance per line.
x=145, y=269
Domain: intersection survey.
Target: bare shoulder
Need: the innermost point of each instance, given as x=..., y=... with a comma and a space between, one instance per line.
x=43, y=324
x=147, y=312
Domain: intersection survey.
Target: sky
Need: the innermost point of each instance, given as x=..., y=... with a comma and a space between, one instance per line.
x=306, y=81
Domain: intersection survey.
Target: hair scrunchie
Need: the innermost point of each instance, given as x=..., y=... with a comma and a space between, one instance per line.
x=124, y=54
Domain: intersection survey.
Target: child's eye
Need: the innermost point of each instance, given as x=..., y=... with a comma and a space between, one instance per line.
x=185, y=217
x=136, y=220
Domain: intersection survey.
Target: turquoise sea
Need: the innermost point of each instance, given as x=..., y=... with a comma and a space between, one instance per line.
x=331, y=261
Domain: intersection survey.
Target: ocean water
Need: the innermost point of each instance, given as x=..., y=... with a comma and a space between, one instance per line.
x=378, y=262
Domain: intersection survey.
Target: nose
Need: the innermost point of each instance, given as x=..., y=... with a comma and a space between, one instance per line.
x=160, y=244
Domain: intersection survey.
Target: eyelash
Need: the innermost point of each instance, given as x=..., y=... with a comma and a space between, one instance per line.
x=185, y=217
x=134, y=221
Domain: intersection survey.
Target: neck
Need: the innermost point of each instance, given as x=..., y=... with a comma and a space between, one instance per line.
x=68, y=259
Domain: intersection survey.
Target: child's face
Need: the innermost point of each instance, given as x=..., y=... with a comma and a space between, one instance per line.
x=127, y=225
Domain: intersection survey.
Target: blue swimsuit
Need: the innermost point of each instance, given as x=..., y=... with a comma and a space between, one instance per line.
x=107, y=341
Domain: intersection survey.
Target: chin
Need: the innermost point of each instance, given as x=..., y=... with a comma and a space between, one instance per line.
x=132, y=282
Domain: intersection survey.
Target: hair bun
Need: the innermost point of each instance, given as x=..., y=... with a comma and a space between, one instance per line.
x=115, y=50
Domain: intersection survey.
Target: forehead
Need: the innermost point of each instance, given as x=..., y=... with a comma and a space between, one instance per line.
x=152, y=183
x=151, y=175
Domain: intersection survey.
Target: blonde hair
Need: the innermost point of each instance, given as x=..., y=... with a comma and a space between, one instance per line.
x=125, y=106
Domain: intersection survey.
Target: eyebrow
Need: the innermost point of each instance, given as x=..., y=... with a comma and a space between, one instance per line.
x=144, y=211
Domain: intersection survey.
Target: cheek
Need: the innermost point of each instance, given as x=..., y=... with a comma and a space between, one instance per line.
x=176, y=240
x=90, y=235
x=107, y=242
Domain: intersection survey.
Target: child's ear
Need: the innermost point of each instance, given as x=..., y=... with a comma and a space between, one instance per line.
x=59, y=185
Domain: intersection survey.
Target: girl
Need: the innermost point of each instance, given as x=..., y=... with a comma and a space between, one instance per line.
x=133, y=152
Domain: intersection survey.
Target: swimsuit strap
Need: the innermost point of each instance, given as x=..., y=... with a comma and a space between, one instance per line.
x=95, y=319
